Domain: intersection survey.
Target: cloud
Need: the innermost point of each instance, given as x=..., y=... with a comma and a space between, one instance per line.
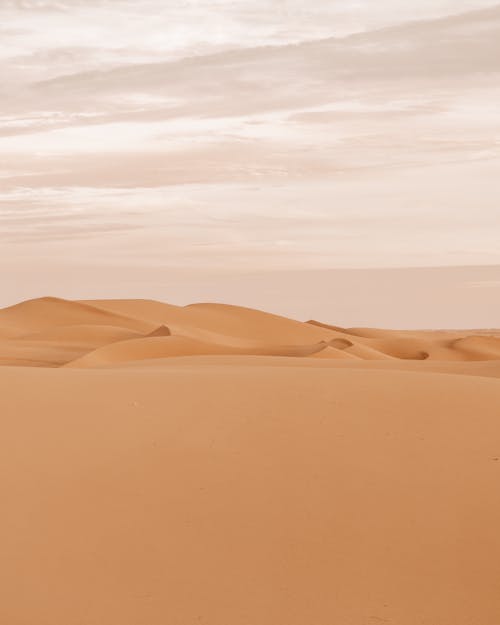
x=53, y=5
x=35, y=5
x=438, y=54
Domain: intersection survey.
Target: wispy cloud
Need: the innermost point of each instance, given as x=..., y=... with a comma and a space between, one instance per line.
x=231, y=115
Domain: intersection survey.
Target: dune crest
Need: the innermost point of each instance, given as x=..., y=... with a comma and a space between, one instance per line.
x=53, y=332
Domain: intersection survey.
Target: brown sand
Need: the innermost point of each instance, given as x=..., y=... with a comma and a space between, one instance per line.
x=220, y=465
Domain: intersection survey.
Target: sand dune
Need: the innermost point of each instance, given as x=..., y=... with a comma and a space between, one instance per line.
x=335, y=354
x=170, y=346
x=89, y=334
x=238, y=494
x=52, y=312
x=215, y=464
x=233, y=322
x=54, y=332
x=478, y=347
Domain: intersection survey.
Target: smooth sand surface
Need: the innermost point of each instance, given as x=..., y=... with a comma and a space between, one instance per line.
x=221, y=465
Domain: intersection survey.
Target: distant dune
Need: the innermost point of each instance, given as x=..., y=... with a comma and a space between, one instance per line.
x=221, y=465
x=53, y=332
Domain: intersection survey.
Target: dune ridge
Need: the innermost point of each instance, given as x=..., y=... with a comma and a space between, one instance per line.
x=54, y=332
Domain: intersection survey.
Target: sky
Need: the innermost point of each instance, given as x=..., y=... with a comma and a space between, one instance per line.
x=202, y=142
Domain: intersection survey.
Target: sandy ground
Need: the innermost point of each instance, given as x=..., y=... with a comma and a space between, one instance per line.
x=215, y=464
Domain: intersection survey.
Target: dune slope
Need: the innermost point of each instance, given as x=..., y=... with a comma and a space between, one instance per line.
x=243, y=494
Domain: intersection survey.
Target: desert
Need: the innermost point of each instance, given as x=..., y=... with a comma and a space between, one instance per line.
x=249, y=312
x=217, y=464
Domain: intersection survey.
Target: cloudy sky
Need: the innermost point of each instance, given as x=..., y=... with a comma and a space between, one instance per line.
x=236, y=137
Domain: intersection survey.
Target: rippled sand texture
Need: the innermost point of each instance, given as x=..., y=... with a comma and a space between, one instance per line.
x=217, y=464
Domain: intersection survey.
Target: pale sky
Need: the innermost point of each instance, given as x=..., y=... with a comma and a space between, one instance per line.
x=245, y=136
